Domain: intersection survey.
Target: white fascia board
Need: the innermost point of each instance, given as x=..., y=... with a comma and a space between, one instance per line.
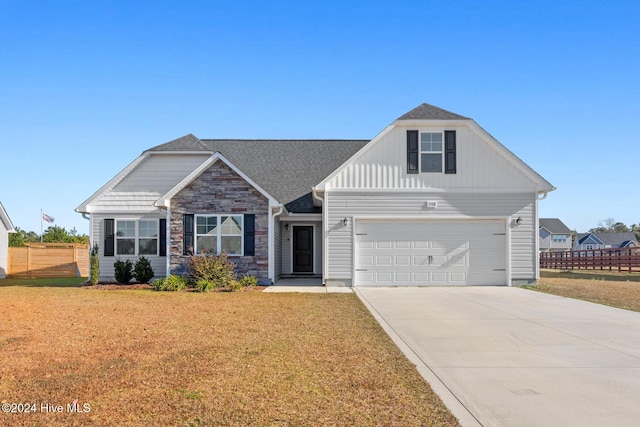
x=85, y=207
x=298, y=217
x=4, y=217
x=360, y=152
x=434, y=190
x=165, y=200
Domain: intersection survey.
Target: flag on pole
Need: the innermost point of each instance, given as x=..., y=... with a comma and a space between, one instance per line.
x=47, y=218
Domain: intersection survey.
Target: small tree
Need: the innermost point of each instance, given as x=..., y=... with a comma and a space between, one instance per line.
x=142, y=271
x=94, y=265
x=123, y=271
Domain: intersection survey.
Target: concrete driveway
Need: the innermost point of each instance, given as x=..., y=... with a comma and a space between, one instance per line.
x=502, y=356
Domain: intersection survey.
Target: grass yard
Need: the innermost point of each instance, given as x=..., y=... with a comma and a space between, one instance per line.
x=139, y=357
x=620, y=290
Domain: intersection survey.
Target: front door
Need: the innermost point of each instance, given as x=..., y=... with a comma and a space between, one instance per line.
x=303, y=249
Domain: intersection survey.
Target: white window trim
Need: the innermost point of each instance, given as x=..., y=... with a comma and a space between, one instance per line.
x=136, y=237
x=219, y=233
x=420, y=152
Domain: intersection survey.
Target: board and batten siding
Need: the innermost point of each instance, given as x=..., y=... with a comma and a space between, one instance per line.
x=158, y=263
x=413, y=205
x=479, y=165
x=150, y=179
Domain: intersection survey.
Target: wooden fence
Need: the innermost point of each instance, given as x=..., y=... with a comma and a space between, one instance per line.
x=627, y=259
x=49, y=260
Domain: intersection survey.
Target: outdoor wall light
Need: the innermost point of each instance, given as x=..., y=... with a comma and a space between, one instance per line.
x=345, y=221
x=518, y=221
x=286, y=227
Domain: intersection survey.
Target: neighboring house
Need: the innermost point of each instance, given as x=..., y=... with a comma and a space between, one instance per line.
x=432, y=199
x=554, y=235
x=589, y=241
x=6, y=227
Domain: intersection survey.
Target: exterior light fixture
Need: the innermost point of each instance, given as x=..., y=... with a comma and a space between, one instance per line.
x=518, y=220
x=345, y=221
x=286, y=227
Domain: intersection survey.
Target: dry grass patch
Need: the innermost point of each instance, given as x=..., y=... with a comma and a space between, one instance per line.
x=148, y=358
x=615, y=289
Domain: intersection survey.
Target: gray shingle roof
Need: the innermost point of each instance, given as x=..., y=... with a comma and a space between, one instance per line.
x=431, y=112
x=554, y=225
x=286, y=169
x=613, y=239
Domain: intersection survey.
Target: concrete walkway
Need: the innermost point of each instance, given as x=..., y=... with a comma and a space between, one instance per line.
x=305, y=285
x=501, y=356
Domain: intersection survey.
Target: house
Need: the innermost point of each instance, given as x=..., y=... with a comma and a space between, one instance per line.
x=433, y=199
x=589, y=241
x=554, y=235
x=6, y=227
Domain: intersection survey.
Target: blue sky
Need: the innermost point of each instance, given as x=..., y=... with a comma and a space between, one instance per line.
x=86, y=86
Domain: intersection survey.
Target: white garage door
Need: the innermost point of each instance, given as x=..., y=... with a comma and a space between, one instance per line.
x=431, y=253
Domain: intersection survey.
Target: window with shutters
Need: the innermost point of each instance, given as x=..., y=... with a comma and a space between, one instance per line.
x=136, y=237
x=217, y=233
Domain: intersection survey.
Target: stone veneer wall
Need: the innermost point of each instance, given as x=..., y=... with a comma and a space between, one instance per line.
x=219, y=190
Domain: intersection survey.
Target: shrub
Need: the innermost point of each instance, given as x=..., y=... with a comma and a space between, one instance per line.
x=142, y=271
x=123, y=271
x=171, y=283
x=235, y=285
x=202, y=285
x=211, y=271
x=248, y=280
x=94, y=265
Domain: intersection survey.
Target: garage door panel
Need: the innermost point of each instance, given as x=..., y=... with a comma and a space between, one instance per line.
x=431, y=253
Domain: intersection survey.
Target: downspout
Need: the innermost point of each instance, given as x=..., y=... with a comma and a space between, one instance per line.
x=325, y=236
x=272, y=245
x=167, y=239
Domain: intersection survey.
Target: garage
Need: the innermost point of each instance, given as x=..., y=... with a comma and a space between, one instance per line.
x=434, y=252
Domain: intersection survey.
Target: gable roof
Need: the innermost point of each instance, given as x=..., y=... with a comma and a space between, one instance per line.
x=285, y=169
x=424, y=112
x=613, y=239
x=431, y=112
x=165, y=198
x=5, y=220
x=554, y=225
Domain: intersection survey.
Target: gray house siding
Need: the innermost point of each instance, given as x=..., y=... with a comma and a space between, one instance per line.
x=220, y=190
x=158, y=263
x=408, y=204
x=4, y=243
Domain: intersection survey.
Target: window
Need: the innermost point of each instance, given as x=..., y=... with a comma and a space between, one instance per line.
x=559, y=238
x=431, y=152
x=218, y=233
x=137, y=237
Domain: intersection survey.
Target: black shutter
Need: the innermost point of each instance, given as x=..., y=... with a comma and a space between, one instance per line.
x=162, y=241
x=187, y=234
x=413, y=151
x=249, y=234
x=449, y=151
x=109, y=237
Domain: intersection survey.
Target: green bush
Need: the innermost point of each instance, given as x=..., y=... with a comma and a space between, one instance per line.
x=94, y=265
x=171, y=283
x=235, y=286
x=142, y=271
x=211, y=271
x=123, y=271
x=248, y=281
